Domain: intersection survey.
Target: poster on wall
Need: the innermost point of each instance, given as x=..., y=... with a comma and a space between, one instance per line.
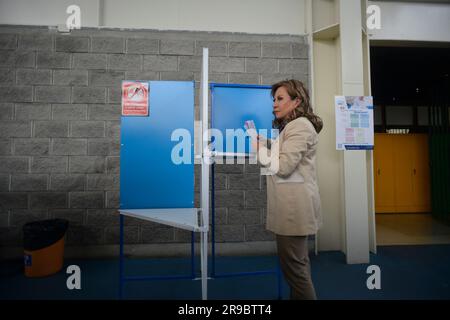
x=354, y=122
x=135, y=98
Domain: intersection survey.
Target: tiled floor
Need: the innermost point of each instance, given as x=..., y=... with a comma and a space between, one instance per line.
x=410, y=229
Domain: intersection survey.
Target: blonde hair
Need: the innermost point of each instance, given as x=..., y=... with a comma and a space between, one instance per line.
x=296, y=89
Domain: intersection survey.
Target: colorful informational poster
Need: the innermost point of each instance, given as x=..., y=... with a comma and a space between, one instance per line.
x=354, y=122
x=135, y=98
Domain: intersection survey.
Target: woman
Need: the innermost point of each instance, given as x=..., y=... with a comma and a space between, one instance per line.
x=293, y=202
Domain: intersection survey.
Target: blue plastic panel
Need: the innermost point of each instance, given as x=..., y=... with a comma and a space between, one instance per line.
x=233, y=104
x=148, y=177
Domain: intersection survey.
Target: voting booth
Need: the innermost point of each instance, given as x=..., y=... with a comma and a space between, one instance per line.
x=157, y=177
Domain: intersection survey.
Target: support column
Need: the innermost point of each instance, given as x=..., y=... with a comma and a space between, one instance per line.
x=355, y=165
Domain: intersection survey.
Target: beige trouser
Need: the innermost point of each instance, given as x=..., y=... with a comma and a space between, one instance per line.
x=294, y=262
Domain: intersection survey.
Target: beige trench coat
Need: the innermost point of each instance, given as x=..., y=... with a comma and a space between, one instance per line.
x=293, y=200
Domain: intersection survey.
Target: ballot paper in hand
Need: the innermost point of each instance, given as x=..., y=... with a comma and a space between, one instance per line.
x=251, y=129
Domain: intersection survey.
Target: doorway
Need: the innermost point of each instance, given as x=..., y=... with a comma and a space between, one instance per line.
x=402, y=79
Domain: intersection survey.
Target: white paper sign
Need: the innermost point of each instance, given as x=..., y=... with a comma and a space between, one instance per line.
x=354, y=122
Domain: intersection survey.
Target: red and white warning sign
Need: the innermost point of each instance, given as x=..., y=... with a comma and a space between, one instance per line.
x=135, y=98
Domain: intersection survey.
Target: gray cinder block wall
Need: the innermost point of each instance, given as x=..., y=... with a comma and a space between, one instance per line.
x=60, y=125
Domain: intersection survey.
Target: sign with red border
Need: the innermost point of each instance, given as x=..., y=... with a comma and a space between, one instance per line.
x=135, y=98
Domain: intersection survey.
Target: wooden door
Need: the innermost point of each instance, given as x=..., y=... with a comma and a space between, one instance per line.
x=403, y=177
x=384, y=173
x=421, y=174
x=402, y=174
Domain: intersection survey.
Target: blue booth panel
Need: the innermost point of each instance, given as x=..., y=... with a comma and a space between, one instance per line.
x=233, y=104
x=148, y=176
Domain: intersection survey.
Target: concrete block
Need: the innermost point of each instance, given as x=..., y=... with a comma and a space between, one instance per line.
x=4, y=183
x=177, y=47
x=103, y=147
x=11, y=200
x=33, y=111
x=131, y=235
x=31, y=147
x=103, y=182
x=113, y=129
x=85, y=235
x=252, y=168
x=294, y=66
x=7, y=77
x=68, y=182
x=69, y=112
x=112, y=199
x=261, y=65
x=69, y=147
x=220, y=181
x=102, y=217
x=16, y=94
x=106, y=78
x=13, y=129
x=18, y=59
x=255, y=198
x=125, y=62
x=230, y=233
x=33, y=76
x=29, y=182
x=49, y=164
x=53, y=60
x=229, y=198
x=300, y=51
x=160, y=63
x=104, y=112
x=270, y=79
x=244, y=78
x=244, y=49
x=220, y=216
x=243, y=182
x=19, y=217
x=51, y=129
x=11, y=236
x=213, y=77
x=36, y=41
x=5, y=147
x=141, y=75
x=113, y=165
x=67, y=43
x=276, y=50
x=75, y=217
x=70, y=77
x=258, y=232
x=177, y=76
x=48, y=200
x=108, y=44
x=86, y=164
x=142, y=46
x=8, y=41
x=303, y=77
x=244, y=216
x=229, y=168
x=87, y=129
x=86, y=200
x=6, y=111
x=215, y=48
x=221, y=64
x=56, y=94
x=88, y=95
x=89, y=61
x=157, y=234
x=115, y=94
x=190, y=64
